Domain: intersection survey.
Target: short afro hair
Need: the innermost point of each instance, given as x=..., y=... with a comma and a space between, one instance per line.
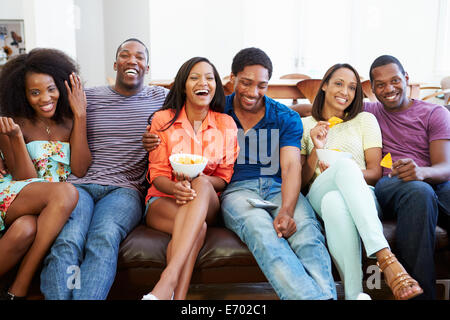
x=384, y=60
x=133, y=40
x=250, y=57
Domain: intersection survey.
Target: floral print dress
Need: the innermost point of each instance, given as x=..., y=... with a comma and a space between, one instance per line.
x=51, y=160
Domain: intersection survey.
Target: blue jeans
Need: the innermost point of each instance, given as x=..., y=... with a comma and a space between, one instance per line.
x=298, y=267
x=89, y=243
x=416, y=206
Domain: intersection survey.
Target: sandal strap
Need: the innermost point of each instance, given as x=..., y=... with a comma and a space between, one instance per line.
x=402, y=279
x=386, y=261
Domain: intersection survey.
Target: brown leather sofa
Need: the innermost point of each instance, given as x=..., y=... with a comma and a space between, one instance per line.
x=224, y=259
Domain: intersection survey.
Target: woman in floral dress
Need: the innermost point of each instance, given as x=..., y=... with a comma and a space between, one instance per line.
x=42, y=131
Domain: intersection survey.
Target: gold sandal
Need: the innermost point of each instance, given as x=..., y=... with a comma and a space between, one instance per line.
x=401, y=278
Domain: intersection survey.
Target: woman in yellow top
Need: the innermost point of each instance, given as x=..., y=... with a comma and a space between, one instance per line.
x=190, y=121
x=342, y=193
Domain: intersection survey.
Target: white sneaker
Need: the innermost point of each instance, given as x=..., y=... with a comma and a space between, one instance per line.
x=363, y=296
x=150, y=296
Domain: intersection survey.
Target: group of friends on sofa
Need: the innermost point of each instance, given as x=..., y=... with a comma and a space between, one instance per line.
x=75, y=163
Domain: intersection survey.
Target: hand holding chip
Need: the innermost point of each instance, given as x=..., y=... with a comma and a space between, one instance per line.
x=319, y=134
x=407, y=170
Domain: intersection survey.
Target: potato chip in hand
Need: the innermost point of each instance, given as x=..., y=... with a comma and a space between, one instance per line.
x=334, y=121
x=387, y=161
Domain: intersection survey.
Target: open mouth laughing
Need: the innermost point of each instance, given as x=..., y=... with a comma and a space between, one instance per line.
x=131, y=72
x=47, y=108
x=201, y=92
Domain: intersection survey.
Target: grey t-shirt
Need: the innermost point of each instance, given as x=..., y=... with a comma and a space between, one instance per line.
x=115, y=124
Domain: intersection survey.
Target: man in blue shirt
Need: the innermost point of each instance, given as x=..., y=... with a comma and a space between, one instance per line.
x=286, y=241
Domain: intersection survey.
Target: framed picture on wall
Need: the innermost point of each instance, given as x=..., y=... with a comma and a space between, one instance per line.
x=12, y=39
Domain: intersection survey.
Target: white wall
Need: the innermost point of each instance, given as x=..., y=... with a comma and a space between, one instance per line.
x=411, y=36
x=273, y=29
x=88, y=30
x=123, y=20
x=320, y=32
x=11, y=9
x=180, y=30
x=357, y=32
x=54, y=24
x=217, y=30
x=48, y=23
x=89, y=35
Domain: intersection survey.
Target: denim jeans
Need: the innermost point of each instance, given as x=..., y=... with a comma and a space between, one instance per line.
x=89, y=243
x=347, y=205
x=298, y=267
x=416, y=206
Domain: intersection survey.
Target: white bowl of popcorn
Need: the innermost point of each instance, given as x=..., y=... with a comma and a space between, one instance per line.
x=190, y=165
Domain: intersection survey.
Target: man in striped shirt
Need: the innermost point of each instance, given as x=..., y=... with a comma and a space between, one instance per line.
x=83, y=260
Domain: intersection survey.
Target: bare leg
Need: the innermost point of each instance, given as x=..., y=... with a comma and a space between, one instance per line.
x=186, y=224
x=16, y=241
x=165, y=223
x=53, y=203
x=186, y=273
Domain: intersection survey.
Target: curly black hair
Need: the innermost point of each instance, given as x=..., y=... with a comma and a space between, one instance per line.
x=250, y=57
x=53, y=62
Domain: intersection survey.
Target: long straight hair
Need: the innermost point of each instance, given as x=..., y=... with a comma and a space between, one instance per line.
x=176, y=98
x=353, y=109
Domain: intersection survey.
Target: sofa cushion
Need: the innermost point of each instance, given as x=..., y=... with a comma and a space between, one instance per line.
x=223, y=258
x=389, y=229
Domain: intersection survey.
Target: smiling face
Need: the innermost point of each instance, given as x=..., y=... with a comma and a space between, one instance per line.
x=250, y=86
x=42, y=94
x=339, y=91
x=200, y=85
x=389, y=86
x=131, y=66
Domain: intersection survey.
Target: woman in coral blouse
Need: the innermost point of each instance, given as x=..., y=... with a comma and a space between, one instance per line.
x=190, y=121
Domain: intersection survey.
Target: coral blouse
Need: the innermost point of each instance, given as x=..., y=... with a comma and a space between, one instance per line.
x=216, y=140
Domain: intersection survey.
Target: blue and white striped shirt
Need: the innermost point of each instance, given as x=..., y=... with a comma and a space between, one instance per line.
x=115, y=124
